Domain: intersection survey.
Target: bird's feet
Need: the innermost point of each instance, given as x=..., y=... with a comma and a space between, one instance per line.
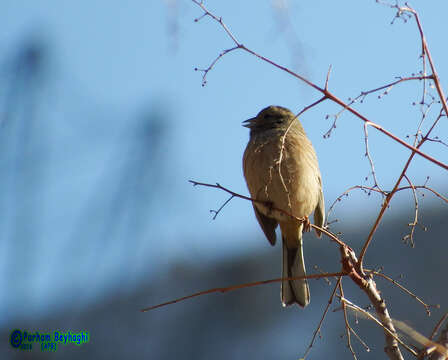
x=306, y=224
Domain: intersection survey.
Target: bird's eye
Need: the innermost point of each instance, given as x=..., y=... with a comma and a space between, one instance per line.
x=273, y=118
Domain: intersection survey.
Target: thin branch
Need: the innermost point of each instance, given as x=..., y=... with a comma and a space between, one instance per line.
x=327, y=78
x=332, y=97
x=367, y=153
x=442, y=346
x=388, y=199
x=424, y=109
x=368, y=285
x=213, y=63
x=438, y=351
x=324, y=91
x=410, y=293
x=349, y=266
x=438, y=325
x=361, y=97
x=239, y=286
x=348, y=328
x=332, y=236
x=368, y=190
x=409, y=238
x=218, y=19
x=317, y=331
x=442, y=341
x=216, y=212
x=424, y=187
x=437, y=140
x=279, y=162
x=431, y=63
x=327, y=280
x=306, y=108
x=371, y=317
x=390, y=85
x=363, y=343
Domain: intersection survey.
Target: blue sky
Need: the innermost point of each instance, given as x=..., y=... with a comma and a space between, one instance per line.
x=118, y=59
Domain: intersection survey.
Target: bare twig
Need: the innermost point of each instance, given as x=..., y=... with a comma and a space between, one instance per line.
x=437, y=350
x=438, y=325
x=362, y=96
x=323, y=91
x=349, y=267
x=234, y=194
x=410, y=293
x=368, y=315
x=367, y=153
x=239, y=286
x=367, y=285
x=368, y=190
x=213, y=63
x=327, y=280
x=425, y=51
x=319, y=326
x=410, y=237
x=332, y=97
x=348, y=328
x=327, y=78
x=442, y=341
x=363, y=343
x=216, y=212
x=350, y=264
x=435, y=77
x=437, y=140
x=306, y=108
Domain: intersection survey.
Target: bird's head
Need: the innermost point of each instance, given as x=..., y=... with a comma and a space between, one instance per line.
x=271, y=117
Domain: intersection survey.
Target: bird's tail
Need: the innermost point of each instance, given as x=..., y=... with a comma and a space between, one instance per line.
x=294, y=291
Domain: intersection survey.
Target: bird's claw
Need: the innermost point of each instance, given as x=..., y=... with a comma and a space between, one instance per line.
x=306, y=224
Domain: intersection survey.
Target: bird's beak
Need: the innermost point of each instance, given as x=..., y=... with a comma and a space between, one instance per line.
x=248, y=123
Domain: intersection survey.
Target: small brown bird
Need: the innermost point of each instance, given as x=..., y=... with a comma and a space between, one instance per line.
x=281, y=168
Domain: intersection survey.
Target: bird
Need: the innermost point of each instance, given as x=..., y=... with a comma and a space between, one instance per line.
x=283, y=177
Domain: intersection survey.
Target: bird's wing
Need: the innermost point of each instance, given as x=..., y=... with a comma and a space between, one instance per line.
x=319, y=211
x=267, y=224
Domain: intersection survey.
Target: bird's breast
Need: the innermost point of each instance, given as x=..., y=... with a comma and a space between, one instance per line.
x=283, y=171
